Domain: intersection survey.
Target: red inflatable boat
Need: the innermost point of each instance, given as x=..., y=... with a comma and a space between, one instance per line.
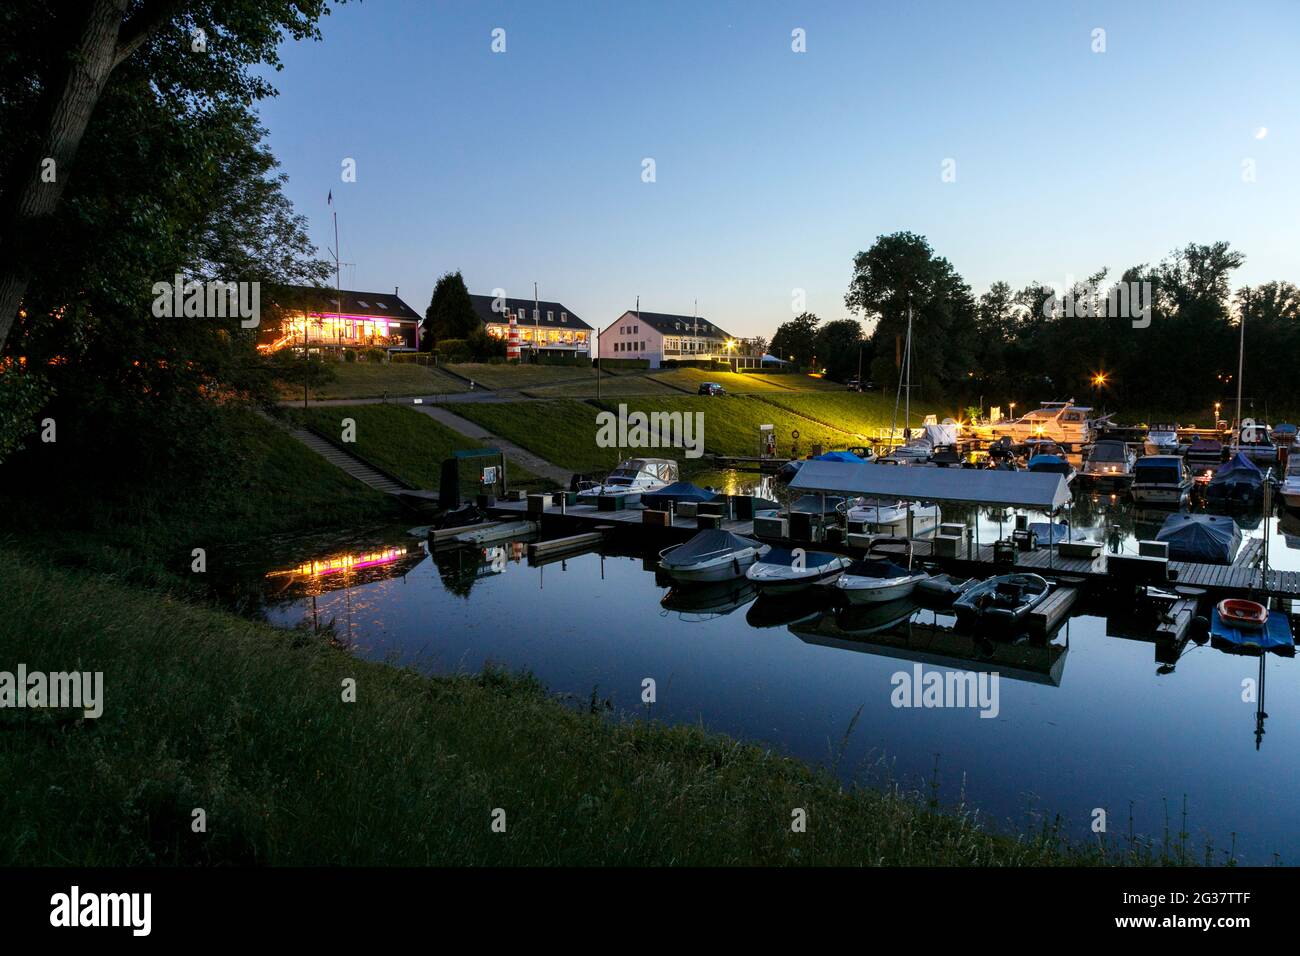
x=1239, y=613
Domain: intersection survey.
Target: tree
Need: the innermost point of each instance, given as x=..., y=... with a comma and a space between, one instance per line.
x=67, y=63
x=451, y=313
x=795, y=341
x=837, y=346
x=899, y=270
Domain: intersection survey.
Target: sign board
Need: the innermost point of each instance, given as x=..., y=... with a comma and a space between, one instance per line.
x=490, y=475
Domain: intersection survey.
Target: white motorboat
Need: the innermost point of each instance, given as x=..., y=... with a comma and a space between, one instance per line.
x=1256, y=443
x=784, y=571
x=1291, y=483
x=877, y=580
x=1108, y=462
x=1063, y=422
x=1161, y=480
x=1162, y=439
x=712, y=555
x=889, y=517
x=634, y=476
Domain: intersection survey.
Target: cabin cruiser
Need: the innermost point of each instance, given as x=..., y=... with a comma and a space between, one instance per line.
x=785, y=570
x=1108, y=462
x=890, y=516
x=633, y=477
x=1003, y=601
x=1255, y=442
x=1291, y=483
x=1161, y=440
x=712, y=555
x=1161, y=480
x=1043, y=455
x=1059, y=421
x=875, y=581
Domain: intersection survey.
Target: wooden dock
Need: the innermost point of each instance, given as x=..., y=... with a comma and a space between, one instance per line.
x=1243, y=578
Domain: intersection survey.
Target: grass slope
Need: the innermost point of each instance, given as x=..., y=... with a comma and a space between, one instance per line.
x=375, y=380
x=400, y=440
x=206, y=710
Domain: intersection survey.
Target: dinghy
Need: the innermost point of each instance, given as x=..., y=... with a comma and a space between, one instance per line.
x=712, y=555
x=1239, y=613
x=875, y=581
x=1004, y=600
x=1274, y=636
x=785, y=571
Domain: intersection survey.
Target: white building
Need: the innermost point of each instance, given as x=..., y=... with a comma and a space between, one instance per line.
x=660, y=337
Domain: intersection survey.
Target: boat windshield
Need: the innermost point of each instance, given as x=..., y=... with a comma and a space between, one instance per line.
x=1104, y=451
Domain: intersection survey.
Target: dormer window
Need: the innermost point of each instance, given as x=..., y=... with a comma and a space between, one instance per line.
x=564, y=317
x=521, y=313
x=550, y=316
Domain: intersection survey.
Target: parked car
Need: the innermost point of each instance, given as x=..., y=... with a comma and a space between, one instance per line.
x=854, y=385
x=711, y=388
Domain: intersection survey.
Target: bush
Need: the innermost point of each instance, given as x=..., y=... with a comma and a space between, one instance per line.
x=375, y=355
x=625, y=363
x=349, y=355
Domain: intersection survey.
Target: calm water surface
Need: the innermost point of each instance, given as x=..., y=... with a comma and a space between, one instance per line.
x=1092, y=719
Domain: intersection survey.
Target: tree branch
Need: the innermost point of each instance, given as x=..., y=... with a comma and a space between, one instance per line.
x=147, y=21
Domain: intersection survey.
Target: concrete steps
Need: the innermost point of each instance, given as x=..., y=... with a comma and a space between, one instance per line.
x=348, y=463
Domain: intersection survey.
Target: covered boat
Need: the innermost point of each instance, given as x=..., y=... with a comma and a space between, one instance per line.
x=1003, y=601
x=712, y=555
x=875, y=581
x=675, y=493
x=784, y=571
x=1236, y=482
x=841, y=456
x=1048, y=457
x=1204, y=539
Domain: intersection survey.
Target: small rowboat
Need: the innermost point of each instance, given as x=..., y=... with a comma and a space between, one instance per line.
x=1241, y=613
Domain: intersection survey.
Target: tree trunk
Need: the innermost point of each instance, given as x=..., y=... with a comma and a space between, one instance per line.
x=24, y=235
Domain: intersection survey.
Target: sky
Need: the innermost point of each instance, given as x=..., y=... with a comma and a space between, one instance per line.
x=999, y=131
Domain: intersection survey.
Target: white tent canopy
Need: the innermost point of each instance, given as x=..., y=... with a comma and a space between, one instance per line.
x=976, y=486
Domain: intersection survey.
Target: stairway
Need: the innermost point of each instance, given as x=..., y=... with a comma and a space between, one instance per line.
x=347, y=462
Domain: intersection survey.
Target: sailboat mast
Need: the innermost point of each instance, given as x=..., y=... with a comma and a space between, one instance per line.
x=907, y=365
x=1241, y=359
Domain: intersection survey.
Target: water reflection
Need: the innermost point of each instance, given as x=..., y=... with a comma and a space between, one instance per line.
x=1132, y=720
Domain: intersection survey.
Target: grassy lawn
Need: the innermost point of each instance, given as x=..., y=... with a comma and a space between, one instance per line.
x=741, y=383
x=610, y=386
x=564, y=431
x=205, y=709
x=401, y=441
x=374, y=380
x=523, y=376
x=859, y=412
x=272, y=486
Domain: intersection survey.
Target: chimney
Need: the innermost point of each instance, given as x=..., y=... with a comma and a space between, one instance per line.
x=394, y=292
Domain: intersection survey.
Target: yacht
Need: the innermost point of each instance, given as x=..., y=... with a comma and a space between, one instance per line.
x=634, y=476
x=1063, y=422
x=1162, y=440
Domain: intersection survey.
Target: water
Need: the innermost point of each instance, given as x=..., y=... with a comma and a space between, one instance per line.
x=1111, y=726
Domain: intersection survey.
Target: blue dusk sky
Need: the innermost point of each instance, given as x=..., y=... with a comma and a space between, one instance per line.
x=773, y=168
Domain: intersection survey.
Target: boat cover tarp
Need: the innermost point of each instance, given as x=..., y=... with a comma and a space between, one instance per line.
x=1017, y=489
x=1238, y=468
x=876, y=569
x=677, y=491
x=706, y=544
x=840, y=456
x=811, y=559
x=1275, y=635
x=1050, y=533
x=1208, y=539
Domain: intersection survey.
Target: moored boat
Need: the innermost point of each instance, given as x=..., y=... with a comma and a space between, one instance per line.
x=634, y=476
x=944, y=587
x=1162, y=439
x=1003, y=601
x=1108, y=462
x=1201, y=538
x=710, y=556
x=877, y=580
x=1238, y=612
x=1291, y=482
x=786, y=570
x=1160, y=480
x=1236, y=483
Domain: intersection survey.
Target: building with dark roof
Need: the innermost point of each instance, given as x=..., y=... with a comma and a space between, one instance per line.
x=323, y=318
x=662, y=337
x=550, y=328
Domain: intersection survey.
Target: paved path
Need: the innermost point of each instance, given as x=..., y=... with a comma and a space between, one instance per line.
x=534, y=463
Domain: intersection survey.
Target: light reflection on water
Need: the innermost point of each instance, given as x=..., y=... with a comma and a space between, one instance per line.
x=1120, y=728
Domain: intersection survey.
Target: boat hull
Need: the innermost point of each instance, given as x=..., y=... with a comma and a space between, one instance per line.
x=780, y=579
x=732, y=568
x=1160, y=494
x=857, y=590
